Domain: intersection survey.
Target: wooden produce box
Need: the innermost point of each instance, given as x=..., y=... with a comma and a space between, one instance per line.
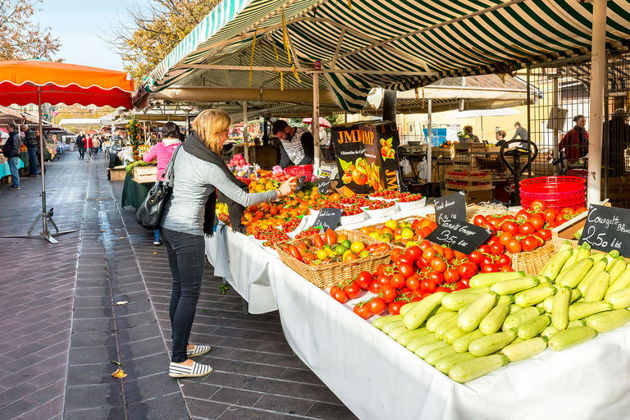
x=117, y=173
x=144, y=174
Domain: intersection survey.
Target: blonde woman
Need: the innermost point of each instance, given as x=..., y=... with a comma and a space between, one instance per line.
x=199, y=174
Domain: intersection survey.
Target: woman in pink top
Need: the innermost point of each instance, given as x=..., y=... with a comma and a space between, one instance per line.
x=162, y=152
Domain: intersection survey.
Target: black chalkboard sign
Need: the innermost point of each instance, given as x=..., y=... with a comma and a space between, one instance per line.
x=323, y=185
x=607, y=228
x=451, y=207
x=460, y=236
x=328, y=218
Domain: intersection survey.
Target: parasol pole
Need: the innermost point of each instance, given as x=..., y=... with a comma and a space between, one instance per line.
x=315, y=122
x=45, y=233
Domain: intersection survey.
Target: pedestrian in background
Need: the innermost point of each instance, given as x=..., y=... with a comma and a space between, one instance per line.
x=575, y=141
x=89, y=144
x=96, y=144
x=521, y=134
x=80, y=143
x=162, y=153
x=32, y=145
x=11, y=150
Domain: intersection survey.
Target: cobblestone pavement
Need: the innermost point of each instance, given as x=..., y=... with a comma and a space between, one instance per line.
x=62, y=330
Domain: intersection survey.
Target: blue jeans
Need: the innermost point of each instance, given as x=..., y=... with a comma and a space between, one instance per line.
x=15, y=173
x=186, y=257
x=32, y=161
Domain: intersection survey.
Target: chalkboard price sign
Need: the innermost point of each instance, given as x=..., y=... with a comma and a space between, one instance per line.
x=328, y=218
x=607, y=228
x=451, y=207
x=460, y=236
x=323, y=185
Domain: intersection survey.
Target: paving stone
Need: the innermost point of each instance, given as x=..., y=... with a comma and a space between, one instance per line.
x=91, y=374
x=205, y=409
x=92, y=355
x=284, y=404
x=167, y=407
x=92, y=338
x=106, y=413
x=330, y=411
x=155, y=386
x=237, y=413
x=236, y=397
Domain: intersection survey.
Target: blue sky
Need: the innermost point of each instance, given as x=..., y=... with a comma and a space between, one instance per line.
x=83, y=27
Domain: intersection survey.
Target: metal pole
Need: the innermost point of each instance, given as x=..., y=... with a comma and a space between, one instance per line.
x=529, y=127
x=315, y=122
x=245, y=133
x=556, y=132
x=596, y=113
x=429, y=139
x=45, y=231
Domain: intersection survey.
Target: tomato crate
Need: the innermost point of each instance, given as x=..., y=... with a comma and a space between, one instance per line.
x=144, y=174
x=533, y=262
x=327, y=275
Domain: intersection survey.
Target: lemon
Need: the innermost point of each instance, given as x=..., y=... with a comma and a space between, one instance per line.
x=392, y=224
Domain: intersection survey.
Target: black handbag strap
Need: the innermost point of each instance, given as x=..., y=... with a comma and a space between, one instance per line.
x=169, y=172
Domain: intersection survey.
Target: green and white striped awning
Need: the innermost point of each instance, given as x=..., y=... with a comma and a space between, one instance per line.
x=392, y=44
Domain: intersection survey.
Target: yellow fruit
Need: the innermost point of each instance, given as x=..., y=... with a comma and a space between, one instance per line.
x=322, y=254
x=357, y=247
x=391, y=224
x=341, y=237
x=406, y=233
x=376, y=236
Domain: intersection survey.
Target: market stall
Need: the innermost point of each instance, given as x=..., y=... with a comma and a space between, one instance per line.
x=4, y=167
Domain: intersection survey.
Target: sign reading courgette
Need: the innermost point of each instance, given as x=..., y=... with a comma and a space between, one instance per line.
x=607, y=228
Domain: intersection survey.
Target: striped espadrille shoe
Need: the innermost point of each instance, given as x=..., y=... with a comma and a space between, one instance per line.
x=175, y=370
x=198, y=350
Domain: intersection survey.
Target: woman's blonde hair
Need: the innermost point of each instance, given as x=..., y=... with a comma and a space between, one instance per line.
x=209, y=124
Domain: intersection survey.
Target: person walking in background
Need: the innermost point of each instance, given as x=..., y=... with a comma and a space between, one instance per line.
x=96, y=144
x=162, y=153
x=32, y=145
x=80, y=143
x=89, y=144
x=521, y=134
x=297, y=144
x=575, y=141
x=199, y=173
x=11, y=150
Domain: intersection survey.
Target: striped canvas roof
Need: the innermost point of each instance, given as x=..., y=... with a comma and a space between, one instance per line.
x=427, y=39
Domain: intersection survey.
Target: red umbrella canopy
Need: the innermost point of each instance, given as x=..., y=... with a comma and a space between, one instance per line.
x=21, y=81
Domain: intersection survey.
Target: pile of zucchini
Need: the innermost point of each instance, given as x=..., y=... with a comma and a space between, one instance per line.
x=507, y=317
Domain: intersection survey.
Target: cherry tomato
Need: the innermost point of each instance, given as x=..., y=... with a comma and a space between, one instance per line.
x=383, y=281
x=395, y=254
x=413, y=253
x=566, y=210
x=451, y=275
x=497, y=249
x=489, y=268
x=537, y=206
x=545, y=234
x=475, y=257
x=510, y=227
x=537, y=221
x=513, y=247
x=374, y=287
x=484, y=249
x=522, y=216
x=397, y=281
x=388, y=293
x=438, y=264
x=428, y=253
x=406, y=270
x=467, y=270
x=424, y=245
x=493, y=241
x=526, y=229
x=529, y=243
x=394, y=307
x=377, y=306
x=364, y=279
x=505, y=238
x=459, y=255
x=504, y=260
x=427, y=286
x=581, y=210
x=352, y=290
x=550, y=215
x=443, y=289
x=506, y=269
x=437, y=278
x=487, y=260
x=338, y=294
x=479, y=220
x=461, y=285
x=362, y=310
x=413, y=283
x=449, y=254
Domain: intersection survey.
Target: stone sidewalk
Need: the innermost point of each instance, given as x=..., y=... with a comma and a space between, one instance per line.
x=62, y=330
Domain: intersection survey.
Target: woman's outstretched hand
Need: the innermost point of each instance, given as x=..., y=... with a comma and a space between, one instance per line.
x=287, y=187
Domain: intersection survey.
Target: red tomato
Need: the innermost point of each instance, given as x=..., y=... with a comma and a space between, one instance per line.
x=406, y=270
x=537, y=221
x=376, y=306
x=489, y=268
x=352, y=290
x=404, y=260
x=394, y=307
x=427, y=286
x=506, y=269
x=475, y=257
x=537, y=206
x=438, y=264
x=383, y=281
x=545, y=234
x=449, y=254
x=493, y=241
x=437, y=278
x=338, y=294
x=428, y=253
x=510, y=227
x=413, y=283
x=397, y=281
x=529, y=243
x=505, y=238
x=514, y=247
x=485, y=249
x=487, y=260
x=566, y=210
x=451, y=275
x=459, y=255
x=443, y=289
x=479, y=220
x=388, y=293
x=362, y=310
x=413, y=253
x=497, y=249
x=364, y=279
x=581, y=210
x=522, y=216
x=374, y=287
x=424, y=245
x=395, y=254
x=467, y=270
x=550, y=215
x=461, y=285
x=504, y=260
x=526, y=229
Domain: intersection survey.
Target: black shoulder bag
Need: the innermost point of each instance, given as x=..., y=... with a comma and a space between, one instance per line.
x=150, y=213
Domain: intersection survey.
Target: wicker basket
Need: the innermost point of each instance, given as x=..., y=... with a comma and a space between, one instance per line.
x=404, y=219
x=328, y=275
x=534, y=261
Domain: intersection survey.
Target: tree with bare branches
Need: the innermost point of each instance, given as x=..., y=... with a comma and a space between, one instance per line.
x=20, y=38
x=153, y=33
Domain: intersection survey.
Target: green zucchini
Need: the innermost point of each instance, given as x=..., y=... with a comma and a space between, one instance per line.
x=474, y=313
x=570, y=337
x=471, y=369
x=491, y=343
x=524, y=349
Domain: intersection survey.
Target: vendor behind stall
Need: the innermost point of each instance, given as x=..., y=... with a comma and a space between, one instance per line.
x=297, y=147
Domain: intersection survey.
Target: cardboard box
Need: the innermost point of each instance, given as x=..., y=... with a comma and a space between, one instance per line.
x=117, y=173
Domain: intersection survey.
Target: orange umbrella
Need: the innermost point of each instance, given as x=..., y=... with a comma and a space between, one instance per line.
x=38, y=82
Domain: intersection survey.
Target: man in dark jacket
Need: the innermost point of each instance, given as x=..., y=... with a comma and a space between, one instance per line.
x=32, y=144
x=297, y=145
x=618, y=139
x=80, y=143
x=11, y=150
